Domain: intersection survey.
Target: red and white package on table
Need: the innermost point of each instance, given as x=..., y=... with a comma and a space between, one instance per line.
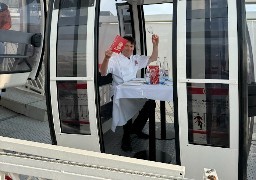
x=154, y=74
x=118, y=44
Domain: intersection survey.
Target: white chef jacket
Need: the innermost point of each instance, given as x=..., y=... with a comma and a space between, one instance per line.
x=124, y=69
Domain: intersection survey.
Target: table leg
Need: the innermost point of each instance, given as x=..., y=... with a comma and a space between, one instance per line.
x=152, y=154
x=161, y=132
x=152, y=131
x=163, y=120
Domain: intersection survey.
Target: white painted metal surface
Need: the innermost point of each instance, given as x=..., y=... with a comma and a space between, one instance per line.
x=12, y=80
x=207, y=156
x=56, y=162
x=233, y=76
x=88, y=142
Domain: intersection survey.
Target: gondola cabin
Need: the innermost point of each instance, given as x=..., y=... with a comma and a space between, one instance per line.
x=205, y=118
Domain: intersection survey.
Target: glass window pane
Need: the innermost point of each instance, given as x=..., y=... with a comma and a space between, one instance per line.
x=162, y=26
x=74, y=3
x=12, y=57
x=207, y=39
x=108, y=26
x=73, y=107
x=72, y=39
x=19, y=16
x=208, y=114
x=26, y=16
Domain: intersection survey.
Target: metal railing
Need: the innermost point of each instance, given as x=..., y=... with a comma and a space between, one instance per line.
x=37, y=85
x=20, y=159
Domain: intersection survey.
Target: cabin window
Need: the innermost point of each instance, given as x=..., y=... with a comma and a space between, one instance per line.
x=208, y=114
x=73, y=107
x=207, y=39
x=207, y=57
x=19, y=19
x=72, y=40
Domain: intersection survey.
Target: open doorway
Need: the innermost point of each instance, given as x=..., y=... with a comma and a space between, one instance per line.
x=120, y=18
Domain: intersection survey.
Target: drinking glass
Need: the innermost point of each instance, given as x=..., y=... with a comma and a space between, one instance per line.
x=150, y=30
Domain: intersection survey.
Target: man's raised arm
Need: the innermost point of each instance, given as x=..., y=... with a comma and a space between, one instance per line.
x=104, y=65
x=155, y=42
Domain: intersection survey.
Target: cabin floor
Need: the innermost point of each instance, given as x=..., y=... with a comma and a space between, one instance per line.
x=164, y=147
x=16, y=125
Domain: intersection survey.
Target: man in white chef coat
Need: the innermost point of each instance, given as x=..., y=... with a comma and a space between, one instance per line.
x=124, y=67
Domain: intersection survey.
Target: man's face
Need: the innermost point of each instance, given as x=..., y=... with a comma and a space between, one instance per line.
x=128, y=49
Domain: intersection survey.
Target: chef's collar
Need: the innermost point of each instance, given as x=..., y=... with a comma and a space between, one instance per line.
x=127, y=57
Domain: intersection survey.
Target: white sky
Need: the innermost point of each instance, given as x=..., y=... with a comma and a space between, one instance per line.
x=158, y=9
x=251, y=7
x=109, y=5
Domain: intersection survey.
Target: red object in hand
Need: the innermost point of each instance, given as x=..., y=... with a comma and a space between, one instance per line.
x=154, y=74
x=8, y=178
x=118, y=44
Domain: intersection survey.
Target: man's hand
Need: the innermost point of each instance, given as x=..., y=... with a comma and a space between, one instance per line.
x=104, y=65
x=108, y=53
x=155, y=39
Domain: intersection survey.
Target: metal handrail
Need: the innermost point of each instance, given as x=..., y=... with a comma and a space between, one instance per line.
x=20, y=157
x=37, y=85
x=13, y=56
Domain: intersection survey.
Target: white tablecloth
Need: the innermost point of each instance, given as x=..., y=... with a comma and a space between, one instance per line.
x=130, y=97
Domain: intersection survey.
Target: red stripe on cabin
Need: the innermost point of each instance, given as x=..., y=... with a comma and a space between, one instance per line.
x=218, y=91
x=218, y=133
x=192, y=90
x=81, y=86
x=210, y=91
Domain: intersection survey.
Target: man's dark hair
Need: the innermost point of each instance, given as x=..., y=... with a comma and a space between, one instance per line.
x=3, y=7
x=130, y=39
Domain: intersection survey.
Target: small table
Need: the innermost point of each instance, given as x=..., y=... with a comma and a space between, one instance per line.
x=128, y=100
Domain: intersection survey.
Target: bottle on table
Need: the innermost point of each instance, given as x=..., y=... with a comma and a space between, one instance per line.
x=161, y=76
x=147, y=75
x=158, y=62
x=161, y=71
x=166, y=69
